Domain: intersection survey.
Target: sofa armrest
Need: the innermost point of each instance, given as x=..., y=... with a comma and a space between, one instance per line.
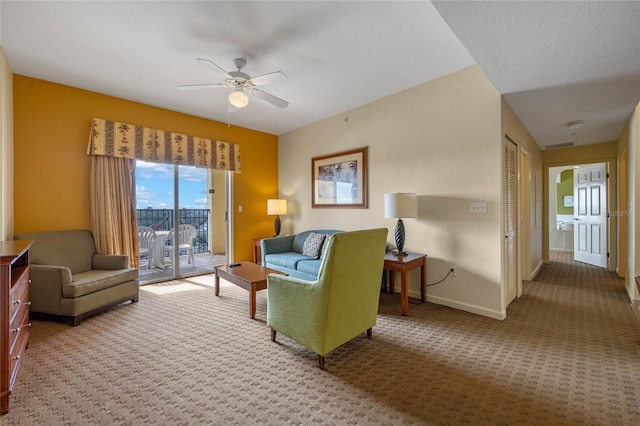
x=276, y=245
x=45, y=289
x=110, y=261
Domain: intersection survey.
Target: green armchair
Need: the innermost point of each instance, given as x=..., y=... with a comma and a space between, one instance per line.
x=341, y=304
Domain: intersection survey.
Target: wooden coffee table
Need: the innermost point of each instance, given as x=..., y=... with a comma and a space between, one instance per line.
x=248, y=276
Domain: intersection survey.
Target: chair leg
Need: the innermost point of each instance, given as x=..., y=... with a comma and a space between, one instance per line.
x=369, y=333
x=273, y=335
x=321, y=362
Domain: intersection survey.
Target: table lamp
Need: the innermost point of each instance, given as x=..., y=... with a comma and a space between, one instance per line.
x=399, y=205
x=276, y=207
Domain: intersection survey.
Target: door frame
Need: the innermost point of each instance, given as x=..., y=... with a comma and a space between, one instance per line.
x=612, y=200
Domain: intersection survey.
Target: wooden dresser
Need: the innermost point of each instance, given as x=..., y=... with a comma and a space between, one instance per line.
x=14, y=318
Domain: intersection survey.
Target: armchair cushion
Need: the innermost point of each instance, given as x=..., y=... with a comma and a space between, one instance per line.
x=92, y=281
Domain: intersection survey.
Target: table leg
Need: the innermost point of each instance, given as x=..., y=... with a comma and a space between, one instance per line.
x=217, y=284
x=404, y=291
x=252, y=302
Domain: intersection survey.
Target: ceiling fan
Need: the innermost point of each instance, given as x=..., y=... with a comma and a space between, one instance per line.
x=242, y=83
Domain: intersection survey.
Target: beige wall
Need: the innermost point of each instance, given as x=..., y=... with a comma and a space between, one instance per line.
x=441, y=140
x=635, y=125
x=6, y=148
x=635, y=141
x=627, y=211
x=632, y=203
x=530, y=193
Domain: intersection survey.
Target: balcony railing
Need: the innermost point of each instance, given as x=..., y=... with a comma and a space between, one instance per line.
x=162, y=220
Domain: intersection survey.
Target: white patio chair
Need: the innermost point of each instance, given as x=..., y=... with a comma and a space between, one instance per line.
x=186, y=234
x=146, y=238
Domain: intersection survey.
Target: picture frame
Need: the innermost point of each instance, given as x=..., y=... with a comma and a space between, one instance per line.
x=339, y=180
x=568, y=200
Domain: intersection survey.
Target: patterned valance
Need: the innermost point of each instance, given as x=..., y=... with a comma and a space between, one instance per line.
x=115, y=139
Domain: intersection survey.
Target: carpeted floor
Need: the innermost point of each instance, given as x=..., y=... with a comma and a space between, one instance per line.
x=568, y=354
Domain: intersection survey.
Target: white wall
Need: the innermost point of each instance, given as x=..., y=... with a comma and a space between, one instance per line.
x=633, y=229
x=441, y=140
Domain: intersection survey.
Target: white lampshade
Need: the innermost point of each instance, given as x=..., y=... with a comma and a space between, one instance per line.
x=399, y=205
x=238, y=99
x=275, y=206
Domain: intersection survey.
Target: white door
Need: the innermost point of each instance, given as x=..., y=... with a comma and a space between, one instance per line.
x=590, y=214
x=510, y=182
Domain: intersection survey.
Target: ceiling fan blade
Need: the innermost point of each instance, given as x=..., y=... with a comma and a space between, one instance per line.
x=269, y=98
x=202, y=86
x=270, y=78
x=212, y=66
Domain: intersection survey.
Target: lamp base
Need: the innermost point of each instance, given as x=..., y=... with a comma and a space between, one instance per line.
x=276, y=225
x=399, y=253
x=399, y=234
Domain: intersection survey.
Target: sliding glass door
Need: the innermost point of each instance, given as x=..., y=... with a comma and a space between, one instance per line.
x=186, y=208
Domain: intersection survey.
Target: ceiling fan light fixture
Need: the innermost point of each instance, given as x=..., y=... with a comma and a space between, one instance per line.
x=238, y=99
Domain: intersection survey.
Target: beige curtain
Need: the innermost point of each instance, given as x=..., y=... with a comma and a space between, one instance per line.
x=113, y=206
x=112, y=138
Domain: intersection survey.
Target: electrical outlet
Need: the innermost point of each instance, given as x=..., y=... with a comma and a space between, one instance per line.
x=454, y=271
x=478, y=207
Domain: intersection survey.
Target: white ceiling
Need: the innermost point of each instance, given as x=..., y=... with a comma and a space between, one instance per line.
x=557, y=62
x=554, y=61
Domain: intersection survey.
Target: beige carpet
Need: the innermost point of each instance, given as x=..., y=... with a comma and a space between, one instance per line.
x=568, y=354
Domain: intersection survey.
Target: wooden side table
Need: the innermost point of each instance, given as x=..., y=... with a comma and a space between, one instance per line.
x=256, y=249
x=404, y=264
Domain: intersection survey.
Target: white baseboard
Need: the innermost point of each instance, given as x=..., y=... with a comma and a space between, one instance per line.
x=474, y=309
x=535, y=271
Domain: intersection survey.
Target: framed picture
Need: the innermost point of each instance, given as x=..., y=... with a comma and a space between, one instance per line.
x=340, y=179
x=568, y=200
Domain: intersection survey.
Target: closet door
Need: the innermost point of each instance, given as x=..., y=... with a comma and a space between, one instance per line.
x=510, y=196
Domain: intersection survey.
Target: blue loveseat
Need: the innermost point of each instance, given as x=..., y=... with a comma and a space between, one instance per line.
x=286, y=254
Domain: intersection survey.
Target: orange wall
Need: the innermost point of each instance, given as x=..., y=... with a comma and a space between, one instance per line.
x=51, y=167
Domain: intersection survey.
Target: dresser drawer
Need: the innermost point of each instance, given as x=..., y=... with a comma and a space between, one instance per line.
x=20, y=340
x=19, y=322
x=19, y=294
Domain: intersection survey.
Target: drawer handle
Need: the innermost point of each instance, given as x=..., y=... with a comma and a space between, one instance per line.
x=29, y=281
x=17, y=302
x=28, y=324
x=15, y=358
x=16, y=330
x=29, y=303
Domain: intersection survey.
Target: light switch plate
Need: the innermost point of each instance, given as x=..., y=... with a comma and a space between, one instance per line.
x=478, y=207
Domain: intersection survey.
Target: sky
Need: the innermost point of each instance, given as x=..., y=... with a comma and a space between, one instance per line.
x=154, y=186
